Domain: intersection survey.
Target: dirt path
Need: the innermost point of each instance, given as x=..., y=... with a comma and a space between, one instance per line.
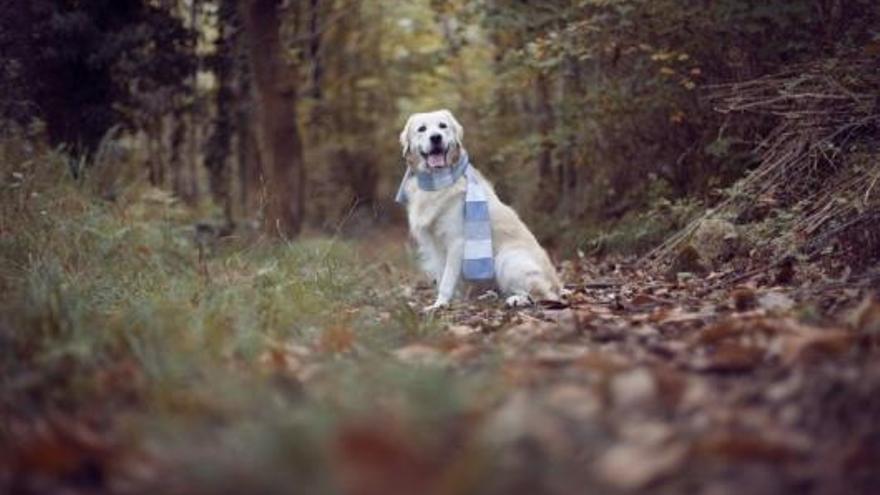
x=650, y=386
x=307, y=366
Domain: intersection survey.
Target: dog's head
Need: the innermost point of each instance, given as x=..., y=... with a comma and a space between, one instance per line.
x=431, y=140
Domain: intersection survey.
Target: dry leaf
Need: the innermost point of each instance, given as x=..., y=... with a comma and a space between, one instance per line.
x=744, y=299
x=574, y=401
x=723, y=330
x=775, y=302
x=741, y=446
x=866, y=317
x=732, y=357
x=463, y=331
x=337, y=339
x=559, y=354
x=633, y=388
x=677, y=315
x=420, y=355
x=816, y=345
x=633, y=466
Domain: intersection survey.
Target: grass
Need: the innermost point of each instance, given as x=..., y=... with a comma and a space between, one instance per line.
x=256, y=365
x=633, y=234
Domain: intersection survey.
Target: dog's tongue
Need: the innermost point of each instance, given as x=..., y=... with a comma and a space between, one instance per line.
x=437, y=160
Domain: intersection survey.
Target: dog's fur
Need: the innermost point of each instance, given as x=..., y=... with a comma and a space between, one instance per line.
x=523, y=271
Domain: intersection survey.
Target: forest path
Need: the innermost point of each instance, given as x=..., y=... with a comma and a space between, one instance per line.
x=256, y=366
x=648, y=385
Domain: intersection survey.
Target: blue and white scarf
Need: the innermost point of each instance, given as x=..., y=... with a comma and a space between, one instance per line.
x=477, y=263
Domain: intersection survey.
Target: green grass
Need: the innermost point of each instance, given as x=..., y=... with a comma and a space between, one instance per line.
x=253, y=367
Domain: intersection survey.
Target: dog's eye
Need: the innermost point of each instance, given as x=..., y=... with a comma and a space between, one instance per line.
x=422, y=129
x=442, y=125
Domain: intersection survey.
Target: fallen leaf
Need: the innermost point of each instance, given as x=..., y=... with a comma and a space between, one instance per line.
x=463, y=331
x=677, y=315
x=630, y=466
x=574, y=401
x=275, y=359
x=645, y=300
x=744, y=298
x=559, y=354
x=742, y=446
x=64, y=450
x=732, y=357
x=651, y=432
x=775, y=302
x=817, y=345
x=529, y=330
x=601, y=363
x=337, y=339
x=866, y=317
x=633, y=388
x=373, y=459
x=718, y=332
x=420, y=355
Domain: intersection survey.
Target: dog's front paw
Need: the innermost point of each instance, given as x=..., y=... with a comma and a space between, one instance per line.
x=518, y=301
x=565, y=295
x=434, y=307
x=489, y=295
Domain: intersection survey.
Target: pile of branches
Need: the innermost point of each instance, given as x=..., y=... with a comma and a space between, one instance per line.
x=820, y=163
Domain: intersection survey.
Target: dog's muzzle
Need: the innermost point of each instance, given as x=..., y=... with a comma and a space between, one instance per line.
x=436, y=157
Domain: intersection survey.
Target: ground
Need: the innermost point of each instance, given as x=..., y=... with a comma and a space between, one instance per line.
x=141, y=354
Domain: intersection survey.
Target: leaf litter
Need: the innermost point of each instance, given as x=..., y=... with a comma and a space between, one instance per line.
x=640, y=384
x=645, y=385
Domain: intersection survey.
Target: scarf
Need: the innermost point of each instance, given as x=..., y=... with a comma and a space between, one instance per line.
x=477, y=263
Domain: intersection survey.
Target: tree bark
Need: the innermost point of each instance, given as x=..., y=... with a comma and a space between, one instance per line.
x=276, y=91
x=218, y=144
x=547, y=193
x=176, y=163
x=317, y=70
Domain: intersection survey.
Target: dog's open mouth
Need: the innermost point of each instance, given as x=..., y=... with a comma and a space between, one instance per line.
x=436, y=158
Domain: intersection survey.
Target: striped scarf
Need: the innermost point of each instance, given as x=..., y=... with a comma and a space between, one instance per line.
x=477, y=263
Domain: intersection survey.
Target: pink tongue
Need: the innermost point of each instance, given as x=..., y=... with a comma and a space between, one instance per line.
x=437, y=160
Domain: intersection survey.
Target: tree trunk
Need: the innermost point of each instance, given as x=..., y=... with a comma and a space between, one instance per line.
x=276, y=88
x=218, y=145
x=193, y=137
x=154, y=147
x=317, y=70
x=175, y=161
x=572, y=98
x=547, y=193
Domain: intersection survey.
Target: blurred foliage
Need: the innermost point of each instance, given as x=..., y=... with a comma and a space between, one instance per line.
x=611, y=93
x=123, y=312
x=83, y=67
x=582, y=111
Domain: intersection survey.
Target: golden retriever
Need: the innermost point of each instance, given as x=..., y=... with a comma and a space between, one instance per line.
x=523, y=271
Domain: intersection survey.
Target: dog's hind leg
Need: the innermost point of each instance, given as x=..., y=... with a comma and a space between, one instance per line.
x=522, y=278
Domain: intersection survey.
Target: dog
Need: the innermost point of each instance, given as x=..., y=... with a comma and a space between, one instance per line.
x=523, y=272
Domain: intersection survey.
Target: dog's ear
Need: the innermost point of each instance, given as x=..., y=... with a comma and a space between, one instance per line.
x=456, y=127
x=404, y=136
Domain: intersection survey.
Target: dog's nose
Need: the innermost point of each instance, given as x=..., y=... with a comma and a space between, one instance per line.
x=436, y=138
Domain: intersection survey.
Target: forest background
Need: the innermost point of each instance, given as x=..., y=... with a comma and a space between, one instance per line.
x=587, y=114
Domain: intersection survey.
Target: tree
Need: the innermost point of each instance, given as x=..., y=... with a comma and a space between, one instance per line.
x=219, y=143
x=276, y=90
x=84, y=67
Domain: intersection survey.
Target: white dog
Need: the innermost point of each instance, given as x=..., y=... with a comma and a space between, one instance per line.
x=522, y=270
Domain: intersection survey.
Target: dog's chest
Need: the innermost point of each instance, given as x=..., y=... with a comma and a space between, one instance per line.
x=436, y=213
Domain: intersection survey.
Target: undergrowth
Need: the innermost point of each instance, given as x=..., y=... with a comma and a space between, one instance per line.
x=636, y=232
x=188, y=347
